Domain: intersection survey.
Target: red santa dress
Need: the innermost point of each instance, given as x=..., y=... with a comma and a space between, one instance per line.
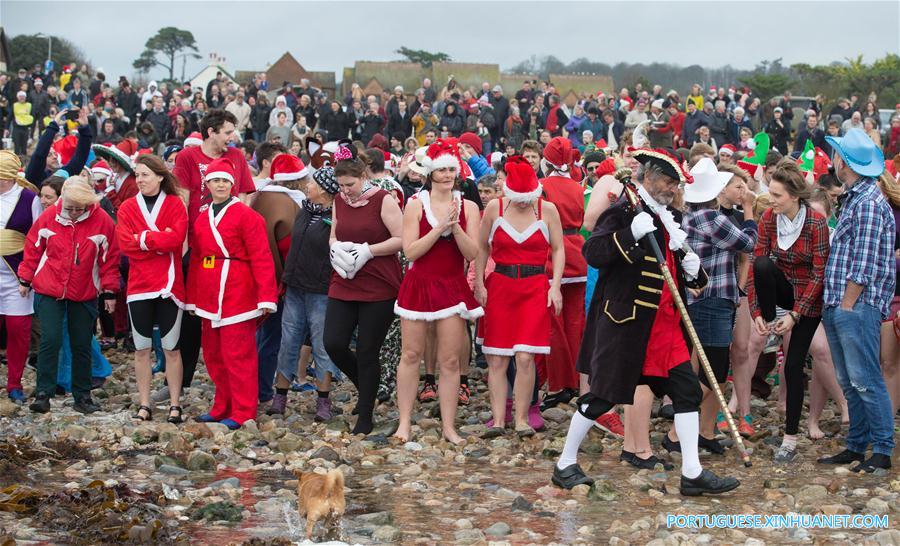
x=230, y=281
x=516, y=318
x=435, y=286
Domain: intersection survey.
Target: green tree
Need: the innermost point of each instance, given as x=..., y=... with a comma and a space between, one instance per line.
x=766, y=86
x=163, y=48
x=424, y=58
x=28, y=50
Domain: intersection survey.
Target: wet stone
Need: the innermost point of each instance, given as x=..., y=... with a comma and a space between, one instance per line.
x=499, y=529
x=200, y=460
x=327, y=454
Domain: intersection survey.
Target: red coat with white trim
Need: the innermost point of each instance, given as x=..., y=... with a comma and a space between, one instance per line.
x=126, y=191
x=72, y=260
x=232, y=272
x=152, y=239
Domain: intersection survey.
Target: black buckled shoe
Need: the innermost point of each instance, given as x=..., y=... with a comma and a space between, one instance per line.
x=649, y=463
x=41, y=403
x=85, y=405
x=707, y=482
x=562, y=397
x=670, y=445
x=570, y=476
x=844, y=457
x=710, y=444
x=666, y=411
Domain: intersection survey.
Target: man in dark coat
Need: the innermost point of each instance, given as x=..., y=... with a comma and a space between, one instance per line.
x=632, y=307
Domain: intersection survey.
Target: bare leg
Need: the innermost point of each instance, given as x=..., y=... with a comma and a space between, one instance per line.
x=281, y=382
x=824, y=383
x=143, y=373
x=637, y=423
x=325, y=384
x=583, y=384
x=890, y=363
x=709, y=408
x=498, y=387
x=305, y=357
x=523, y=388
x=431, y=350
x=413, y=334
x=740, y=348
x=173, y=377
x=450, y=333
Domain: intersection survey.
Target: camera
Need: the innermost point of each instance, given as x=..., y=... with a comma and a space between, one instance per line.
x=72, y=114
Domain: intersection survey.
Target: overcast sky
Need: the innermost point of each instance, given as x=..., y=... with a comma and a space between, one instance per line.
x=331, y=35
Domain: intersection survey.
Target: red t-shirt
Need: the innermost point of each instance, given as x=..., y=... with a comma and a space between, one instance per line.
x=190, y=168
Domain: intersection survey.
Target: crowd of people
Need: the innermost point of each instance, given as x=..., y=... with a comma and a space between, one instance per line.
x=458, y=227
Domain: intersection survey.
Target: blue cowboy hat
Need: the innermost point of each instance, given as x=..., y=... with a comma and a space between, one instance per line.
x=858, y=152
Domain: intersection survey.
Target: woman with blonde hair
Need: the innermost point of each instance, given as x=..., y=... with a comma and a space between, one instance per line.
x=890, y=345
x=71, y=260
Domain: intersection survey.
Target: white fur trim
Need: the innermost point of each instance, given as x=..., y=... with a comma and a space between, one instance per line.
x=425, y=198
x=444, y=161
x=101, y=171
x=518, y=236
x=161, y=294
x=267, y=305
x=292, y=176
x=115, y=154
x=218, y=174
x=143, y=240
x=517, y=348
x=572, y=280
x=518, y=197
x=429, y=316
x=188, y=142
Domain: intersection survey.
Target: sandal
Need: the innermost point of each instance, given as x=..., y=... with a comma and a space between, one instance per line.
x=137, y=416
x=176, y=419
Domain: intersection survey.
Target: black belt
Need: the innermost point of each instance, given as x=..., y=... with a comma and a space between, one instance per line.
x=519, y=271
x=571, y=231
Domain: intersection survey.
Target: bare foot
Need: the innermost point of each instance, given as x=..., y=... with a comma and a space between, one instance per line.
x=845, y=416
x=815, y=433
x=454, y=438
x=402, y=434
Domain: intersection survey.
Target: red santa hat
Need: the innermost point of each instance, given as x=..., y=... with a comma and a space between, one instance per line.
x=101, y=168
x=287, y=167
x=65, y=148
x=193, y=139
x=442, y=154
x=728, y=149
x=221, y=168
x=607, y=166
x=560, y=155
x=390, y=162
x=521, y=184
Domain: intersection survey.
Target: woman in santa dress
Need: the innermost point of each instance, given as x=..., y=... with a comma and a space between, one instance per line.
x=231, y=282
x=151, y=232
x=440, y=232
x=518, y=231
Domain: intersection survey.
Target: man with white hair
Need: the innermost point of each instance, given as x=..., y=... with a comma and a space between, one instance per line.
x=736, y=123
x=430, y=93
x=241, y=111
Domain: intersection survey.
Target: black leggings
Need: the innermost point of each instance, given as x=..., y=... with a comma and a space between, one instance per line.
x=364, y=368
x=160, y=312
x=189, y=338
x=773, y=288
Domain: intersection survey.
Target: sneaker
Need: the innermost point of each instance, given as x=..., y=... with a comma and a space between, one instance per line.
x=85, y=405
x=844, y=457
x=535, y=419
x=323, y=409
x=464, y=395
x=305, y=387
x=721, y=423
x=670, y=445
x=873, y=463
x=611, y=424
x=428, y=393
x=707, y=482
x=41, y=403
x=279, y=402
x=231, y=424
x=745, y=427
x=785, y=454
x=17, y=396
x=570, y=476
x=648, y=463
x=562, y=397
x=97, y=382
x=710, y=444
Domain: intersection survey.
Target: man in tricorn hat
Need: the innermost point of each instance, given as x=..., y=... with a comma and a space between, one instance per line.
x=633, y=308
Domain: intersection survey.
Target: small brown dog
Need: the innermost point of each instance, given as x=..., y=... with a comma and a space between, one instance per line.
x=320, y=496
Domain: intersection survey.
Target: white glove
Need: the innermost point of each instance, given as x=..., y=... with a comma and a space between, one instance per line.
x=691, y=265
x=360, y=254
x=341, y=260
x=677, y=237
x=641, y=225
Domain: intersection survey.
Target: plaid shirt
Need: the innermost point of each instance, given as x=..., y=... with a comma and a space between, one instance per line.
x=803, y=264
x=715, y=239
x=863, y=248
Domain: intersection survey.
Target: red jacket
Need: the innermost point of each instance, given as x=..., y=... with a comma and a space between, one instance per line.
x=568, y=196
x=232, y=272
x=152, y=240
x=71, y=260
x=126, y=191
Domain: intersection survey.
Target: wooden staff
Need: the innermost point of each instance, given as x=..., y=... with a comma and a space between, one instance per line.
x=624, y=176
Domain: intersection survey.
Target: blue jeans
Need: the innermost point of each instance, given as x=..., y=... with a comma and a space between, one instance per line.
x=268, y=339
x=304, y=316
x=854, y=338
